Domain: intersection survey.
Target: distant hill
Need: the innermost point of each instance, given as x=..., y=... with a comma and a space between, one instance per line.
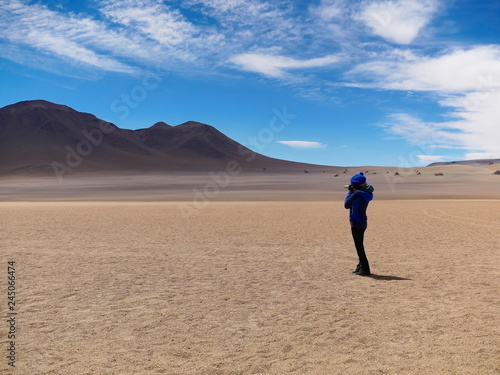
x=42, y=137
x=472, y=163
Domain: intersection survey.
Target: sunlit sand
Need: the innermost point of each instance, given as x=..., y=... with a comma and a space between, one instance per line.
x=253, y=285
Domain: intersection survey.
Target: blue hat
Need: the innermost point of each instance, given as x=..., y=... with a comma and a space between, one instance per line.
x=358, y=179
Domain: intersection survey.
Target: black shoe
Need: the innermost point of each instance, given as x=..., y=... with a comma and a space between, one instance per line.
x=362, y=273
x=357, y=269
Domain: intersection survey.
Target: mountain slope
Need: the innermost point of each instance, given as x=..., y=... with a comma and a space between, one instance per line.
x=473, y=163
x=40, y=136
x=40, y=133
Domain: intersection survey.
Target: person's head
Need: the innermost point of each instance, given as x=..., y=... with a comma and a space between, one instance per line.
x=358, y=180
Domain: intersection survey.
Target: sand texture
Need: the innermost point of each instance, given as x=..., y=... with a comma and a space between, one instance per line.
x=256, y=287
x=457, y=182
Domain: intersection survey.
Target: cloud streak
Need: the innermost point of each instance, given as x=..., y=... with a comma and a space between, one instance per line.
x=277, y=66
x=302, y=145
x=67, y=37
x=455, y=71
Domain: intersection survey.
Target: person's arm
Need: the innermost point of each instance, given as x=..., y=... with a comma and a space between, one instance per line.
x=351, y=197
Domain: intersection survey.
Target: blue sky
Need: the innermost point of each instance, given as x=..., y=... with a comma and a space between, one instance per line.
x=335, y=82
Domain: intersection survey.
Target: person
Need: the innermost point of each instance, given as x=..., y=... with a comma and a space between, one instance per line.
x=359, y=195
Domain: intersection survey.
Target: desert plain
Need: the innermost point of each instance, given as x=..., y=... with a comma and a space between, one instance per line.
x=171, y=274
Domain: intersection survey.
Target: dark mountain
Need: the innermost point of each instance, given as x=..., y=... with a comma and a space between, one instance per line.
x=36, y=134
x=189, y=139
x=40, y=136
x=161, y=125
x=472, y=163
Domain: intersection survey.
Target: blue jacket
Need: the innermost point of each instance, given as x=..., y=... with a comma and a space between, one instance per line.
x=357, y=202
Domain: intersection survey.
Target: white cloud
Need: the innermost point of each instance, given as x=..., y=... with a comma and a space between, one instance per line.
x=467, y=86
x=452, y=72
x=153, y=19
x=68, y=37
x=398, y=21
x=475, y=131
x=133, y=34
x=426, y=135
x=249, y=23
x=237, y=10
x=164, y=31
x=276, y=66
x=478, y=126
x=233, y=14
x=303, y=144
x=164, y=28
x=482, y=155
x=329, y=10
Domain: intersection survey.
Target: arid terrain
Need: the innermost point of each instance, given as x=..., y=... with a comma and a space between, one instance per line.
x=199, y=188
x=170, y=274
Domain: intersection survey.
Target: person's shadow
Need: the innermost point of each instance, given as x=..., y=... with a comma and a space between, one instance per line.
x=386, y=277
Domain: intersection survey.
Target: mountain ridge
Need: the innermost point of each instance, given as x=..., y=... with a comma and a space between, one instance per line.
x=472, y=162
x=38, y=135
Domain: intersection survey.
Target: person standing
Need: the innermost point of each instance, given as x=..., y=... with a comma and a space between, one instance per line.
x=359, y=195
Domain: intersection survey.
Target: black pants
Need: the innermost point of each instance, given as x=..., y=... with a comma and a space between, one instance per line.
x=358, y=234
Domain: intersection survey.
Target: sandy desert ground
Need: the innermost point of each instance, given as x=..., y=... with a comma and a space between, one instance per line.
x=457, y=182
x=252, y=287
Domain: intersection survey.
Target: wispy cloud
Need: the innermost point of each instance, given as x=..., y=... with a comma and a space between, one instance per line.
x=329, y=10
x=417, y=132
x=276, y=66
x=126, y=35
x=398, y=21
x=130, y=35
x=153, y=19
x=467, y=83
x=303, y=144
x=162, y=28
x=452, y=71
x=65, y=36
x=243, y=22
x=475, y=130
x=269, y=38
x=477, y=127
